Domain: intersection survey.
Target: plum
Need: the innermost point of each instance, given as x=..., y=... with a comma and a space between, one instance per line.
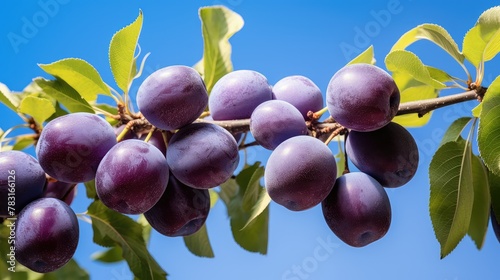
x=300, y=173
x=22, y=181
x=237, y=94
x=301, y=92
x=47, y=234
x=389, y=154
x=202, y=155
x=180, y=211
x=172, y=97
x=362, y=97
x=274, y=121
x=357, y=210
x=71, y=146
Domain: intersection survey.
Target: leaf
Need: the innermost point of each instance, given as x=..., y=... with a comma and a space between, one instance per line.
x=252, y=190
x=489, y=128
x=112, y=255
x=214, y=197
x=434, y=33
x=260, y=206
x=482, y=42
x=39, y=108
x=438, y=74
x=408, y=63
x=454, y=131
x=199, y=244
x=414, y=94
x=218, y=24
x=254, y=236
x=80, y=75
x=481, y=207
x=110, y=109
x=112, y=228
x=65, y=95
x=452, y=193
x=8, y=98
x=146, y=228
x=121, y=53
x=341, y=159
x=366, y=56
x=494, y=183
x=71, y=270
x=90, y=189
x=22, y=142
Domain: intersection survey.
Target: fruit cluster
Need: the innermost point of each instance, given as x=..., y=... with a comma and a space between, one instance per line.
x=167, y=177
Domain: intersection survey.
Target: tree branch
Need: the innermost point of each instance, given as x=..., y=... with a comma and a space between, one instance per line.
x=420, y=107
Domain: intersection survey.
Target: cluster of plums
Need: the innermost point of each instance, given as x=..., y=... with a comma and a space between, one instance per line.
x=169, y=183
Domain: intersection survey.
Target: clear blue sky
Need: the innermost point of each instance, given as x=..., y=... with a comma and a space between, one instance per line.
x=280, y=38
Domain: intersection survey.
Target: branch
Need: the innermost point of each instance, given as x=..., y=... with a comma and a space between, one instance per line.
x=420, y=107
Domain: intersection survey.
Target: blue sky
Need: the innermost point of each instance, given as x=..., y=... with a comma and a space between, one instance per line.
x=280, y=38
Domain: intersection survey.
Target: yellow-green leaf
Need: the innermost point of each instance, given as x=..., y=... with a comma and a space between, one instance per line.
x=366, y=56
x=413, y=94
x=39, y=108
x=434, y=33
x=121, y=53
x=482, y=42
x=80, y=75
x=65, y=95
x=218, y=24
x=214, y=197
x=407, y=62
x=8, y=98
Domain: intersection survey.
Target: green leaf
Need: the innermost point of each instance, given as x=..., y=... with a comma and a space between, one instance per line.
x=481, y=207
x=407, y=62
x=39, y=108
x=110, y=109
x=452, y=193
x=71, y=270
x=8, y=98
x=434, y=33
x=366, y=56
x=259, y=207
x=112, y=255
x=218, y=24
x=121, y=53
x=414, y=94
x=90, y=189
x=80, y=75
x=254, y=236
x=455, y=130
x=115, y=254
x=112, y=228
x=65, y=95
x=494, y=183
x=199, y=244
x=252, y=190
x=489, y=128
